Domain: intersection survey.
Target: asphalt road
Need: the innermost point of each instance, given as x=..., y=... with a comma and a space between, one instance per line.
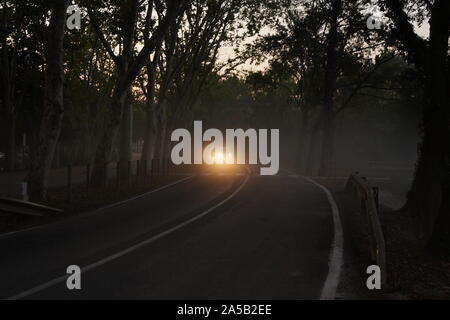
x=207, y=237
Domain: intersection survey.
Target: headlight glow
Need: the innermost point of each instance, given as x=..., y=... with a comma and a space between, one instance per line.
x=219, y=158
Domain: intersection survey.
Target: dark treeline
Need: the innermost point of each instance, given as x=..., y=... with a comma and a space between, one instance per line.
x=338, y=87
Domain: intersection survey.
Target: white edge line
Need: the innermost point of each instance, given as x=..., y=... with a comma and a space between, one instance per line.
x=130, y=249
x=336, y=254
x=5, y=235
x=144, y=194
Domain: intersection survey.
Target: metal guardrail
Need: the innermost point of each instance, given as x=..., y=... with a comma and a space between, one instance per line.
x=369, y=207
x=26, y=208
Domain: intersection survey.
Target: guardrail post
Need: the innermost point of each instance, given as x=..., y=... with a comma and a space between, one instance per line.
x=363, y=203
x=370, y=208
x=375, y=196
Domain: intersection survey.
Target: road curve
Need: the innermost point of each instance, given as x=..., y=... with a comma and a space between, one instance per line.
x=271, y=240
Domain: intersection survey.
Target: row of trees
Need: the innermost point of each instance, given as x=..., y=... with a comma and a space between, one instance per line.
x=155, y=54
x=156, y=57
x=328, y=61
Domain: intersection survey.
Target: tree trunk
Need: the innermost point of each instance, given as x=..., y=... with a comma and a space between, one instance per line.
x=310, y=162
x=7, y=72
x=148, y=149
x=108, y=141
x=53, y=107
x=329, y=89
x=428, y=199
x=327, y=145
x=126, y=136
x=12, y=153
x=161, y=134
x=151, y=125
x=302, y=143
x=127, y=71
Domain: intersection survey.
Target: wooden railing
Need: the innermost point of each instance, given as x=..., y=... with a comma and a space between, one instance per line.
x=368, y=196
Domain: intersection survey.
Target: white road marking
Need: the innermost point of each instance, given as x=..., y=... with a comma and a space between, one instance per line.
x=336, y=254
x=7, y=234
x=145, y=194
x=119, y=254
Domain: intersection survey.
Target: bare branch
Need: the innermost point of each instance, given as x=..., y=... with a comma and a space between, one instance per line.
x=100, y=35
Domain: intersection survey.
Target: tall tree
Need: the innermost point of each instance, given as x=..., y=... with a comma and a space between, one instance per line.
x=53, y=106
x=12, y=19
x=429, y=197
x=329, y=87
x=128, y=67
x=313, y=46
x=181, y=67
